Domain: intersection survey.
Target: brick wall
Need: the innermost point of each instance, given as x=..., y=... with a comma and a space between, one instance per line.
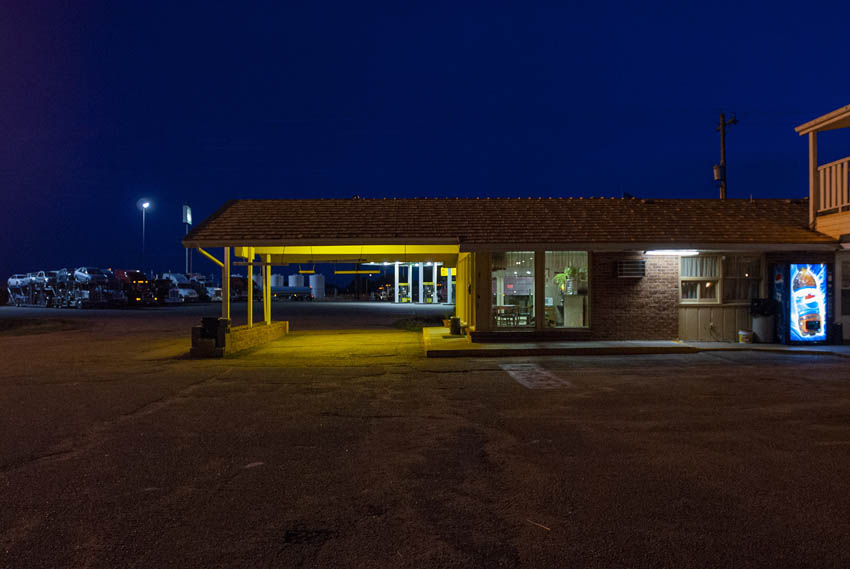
x=640, y=308
x=635, y=308
x=242, y=338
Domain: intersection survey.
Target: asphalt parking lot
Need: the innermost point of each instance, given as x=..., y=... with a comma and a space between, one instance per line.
x=342, y=446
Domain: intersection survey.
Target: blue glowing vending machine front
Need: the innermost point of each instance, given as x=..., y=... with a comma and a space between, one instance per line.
x=801, y=290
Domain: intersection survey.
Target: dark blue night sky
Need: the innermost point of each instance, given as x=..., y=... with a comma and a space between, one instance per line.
x=102, y=103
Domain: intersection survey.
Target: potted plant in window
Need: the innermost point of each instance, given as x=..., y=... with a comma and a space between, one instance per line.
x=569, y=280
x=764, y=311
x=566, y=280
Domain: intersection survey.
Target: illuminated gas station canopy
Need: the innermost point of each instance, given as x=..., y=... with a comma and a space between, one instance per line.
x=283, y=255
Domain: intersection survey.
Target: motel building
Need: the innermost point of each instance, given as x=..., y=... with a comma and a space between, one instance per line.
x=567, y=268
x=542, y=268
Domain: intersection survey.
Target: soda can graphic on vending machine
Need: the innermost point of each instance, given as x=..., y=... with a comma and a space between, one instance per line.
x=807, y=315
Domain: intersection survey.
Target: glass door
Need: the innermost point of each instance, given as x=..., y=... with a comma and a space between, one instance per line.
x=512, y=281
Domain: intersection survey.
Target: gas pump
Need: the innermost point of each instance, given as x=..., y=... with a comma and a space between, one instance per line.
x=428, y=292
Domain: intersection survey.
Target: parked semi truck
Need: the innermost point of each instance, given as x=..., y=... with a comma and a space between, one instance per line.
x=137, y=287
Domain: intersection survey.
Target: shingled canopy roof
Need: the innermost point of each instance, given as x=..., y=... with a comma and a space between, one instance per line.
x=476, y=223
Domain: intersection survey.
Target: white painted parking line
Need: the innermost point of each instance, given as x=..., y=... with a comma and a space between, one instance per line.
x=533, y=376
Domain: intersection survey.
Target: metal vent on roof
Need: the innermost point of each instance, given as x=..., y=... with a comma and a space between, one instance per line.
x=631, y=269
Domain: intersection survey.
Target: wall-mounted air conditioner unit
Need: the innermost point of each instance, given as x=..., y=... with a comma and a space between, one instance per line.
x=631, y=269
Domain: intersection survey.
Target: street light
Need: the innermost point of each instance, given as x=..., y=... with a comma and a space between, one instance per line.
x=143, y=205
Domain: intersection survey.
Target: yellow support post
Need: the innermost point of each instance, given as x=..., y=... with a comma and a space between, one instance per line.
x=250, y=287
x=268, y=282
x=225, y=285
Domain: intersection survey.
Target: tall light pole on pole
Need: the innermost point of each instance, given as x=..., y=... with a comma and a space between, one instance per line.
x=187, y=221
x=145, y=207
x=143, y=204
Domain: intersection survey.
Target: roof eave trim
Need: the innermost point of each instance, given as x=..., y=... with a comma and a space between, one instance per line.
x=193, y=243
x=829, y=121
x=648, y=246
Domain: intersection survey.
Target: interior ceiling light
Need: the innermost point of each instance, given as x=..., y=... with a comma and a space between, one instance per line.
x=679, y=252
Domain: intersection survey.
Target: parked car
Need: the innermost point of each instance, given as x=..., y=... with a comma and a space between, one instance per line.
x=38, y=277
x=91, y=275
x=16, y=281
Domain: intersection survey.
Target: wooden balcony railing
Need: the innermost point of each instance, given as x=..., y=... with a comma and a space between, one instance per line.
x=834, y=189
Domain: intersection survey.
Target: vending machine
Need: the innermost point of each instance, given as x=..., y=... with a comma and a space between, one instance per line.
x=803, y=292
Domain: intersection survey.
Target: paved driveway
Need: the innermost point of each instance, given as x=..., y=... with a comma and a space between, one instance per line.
x=117, y=451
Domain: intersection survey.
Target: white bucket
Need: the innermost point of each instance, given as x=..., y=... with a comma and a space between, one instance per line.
x=745, y=336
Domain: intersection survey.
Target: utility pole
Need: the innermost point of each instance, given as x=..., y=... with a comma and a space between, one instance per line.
x=720, y=170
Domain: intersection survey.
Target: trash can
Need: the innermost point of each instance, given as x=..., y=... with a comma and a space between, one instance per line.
x=454, y=326
x=214, y=328
x=764, y=328
x=209, y=327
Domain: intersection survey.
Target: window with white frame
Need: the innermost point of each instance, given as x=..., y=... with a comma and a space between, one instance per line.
x=710, y=279
x=699, y=276
x=741, y=277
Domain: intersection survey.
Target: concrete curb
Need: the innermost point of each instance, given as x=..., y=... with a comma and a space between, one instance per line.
x=624, y=351
x=518, y=350
x=802, y=352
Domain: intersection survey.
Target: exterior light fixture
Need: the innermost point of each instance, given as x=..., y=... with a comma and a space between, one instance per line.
x=143, y=204
x=679, y=252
